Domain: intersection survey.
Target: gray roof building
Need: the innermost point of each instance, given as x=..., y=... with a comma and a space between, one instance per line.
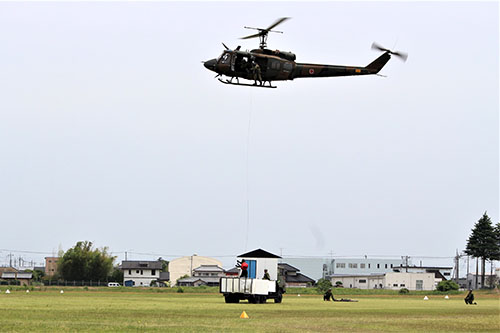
x=138, y=264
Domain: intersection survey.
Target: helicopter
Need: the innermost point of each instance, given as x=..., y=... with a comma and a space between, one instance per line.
x=265, y=65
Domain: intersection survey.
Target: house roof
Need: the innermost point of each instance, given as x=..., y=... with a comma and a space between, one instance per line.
x=259, y=253
x=288, y=267
x=233, y=270
x=8, y=269
x=138, y=264
x=8, y=275
x=299, y=278
x=209, y=268
x=24, y=275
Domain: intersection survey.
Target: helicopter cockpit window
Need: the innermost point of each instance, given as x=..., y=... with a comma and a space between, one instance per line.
x=287, y=67
x=225, y=58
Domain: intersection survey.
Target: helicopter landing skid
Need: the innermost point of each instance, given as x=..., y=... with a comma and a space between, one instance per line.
x=245, y=84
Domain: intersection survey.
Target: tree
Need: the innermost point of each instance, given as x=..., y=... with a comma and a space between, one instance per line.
x=483, y=243
x=164, y=264
x=83, y=262
x=447, y=285
x=116, y=275
x=323, y=285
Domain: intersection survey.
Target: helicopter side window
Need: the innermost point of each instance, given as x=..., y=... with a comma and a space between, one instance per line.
x=275, y=65
x=225, y=58
x=287, y=67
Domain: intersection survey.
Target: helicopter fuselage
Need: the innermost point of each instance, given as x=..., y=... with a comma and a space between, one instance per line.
x=276, y=65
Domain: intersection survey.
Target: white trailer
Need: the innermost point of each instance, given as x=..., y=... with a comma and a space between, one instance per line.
x=235, y=289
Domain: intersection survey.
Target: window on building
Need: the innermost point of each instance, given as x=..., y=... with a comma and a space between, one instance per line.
x=361, y=265
x=340, y=265
x=362, y=281
x=129, y=272
x=142, y=271
x=143, y=265
x=402, y=285
x=378, y=265
x=369, y=265
x=391, y=265
x=351, y=265
x=153, y=272
x=385, y=265
x=419, y=284
x=446, y=274
x=394, y=284
x=137, y=271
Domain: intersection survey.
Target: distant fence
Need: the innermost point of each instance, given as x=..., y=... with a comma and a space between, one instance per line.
x=74, y=283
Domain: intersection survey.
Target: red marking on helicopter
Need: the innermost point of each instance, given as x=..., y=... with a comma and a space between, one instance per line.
x=311, y=71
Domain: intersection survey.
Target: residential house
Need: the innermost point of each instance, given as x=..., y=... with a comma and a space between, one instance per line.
x=51, y=266
x=24, y=278
x=233, y=272
x=180, y=267
x=292, y=276
x=140, y=273
x=205, y=275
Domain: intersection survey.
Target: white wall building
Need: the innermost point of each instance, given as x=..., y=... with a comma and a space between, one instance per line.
x=140, y=273
x=258, y=260
x=186, y=265
x=390, y=280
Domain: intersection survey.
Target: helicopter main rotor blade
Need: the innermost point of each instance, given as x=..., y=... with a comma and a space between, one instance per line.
x=279, y=21
x=251, y=36
x=227, y=48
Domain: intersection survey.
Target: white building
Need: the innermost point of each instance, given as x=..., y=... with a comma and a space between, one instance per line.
x=186, y=265
x=317, y=268
x=390, y=280
x=258, y=260
x=140, y=273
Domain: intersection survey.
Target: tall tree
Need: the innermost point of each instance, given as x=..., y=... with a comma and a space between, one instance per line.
x=83, y=262
x=482, y=243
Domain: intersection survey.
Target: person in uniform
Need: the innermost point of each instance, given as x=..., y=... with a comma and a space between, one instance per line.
x=328, y=295
x=266, y=275
x=469, y=299
x=256, y=73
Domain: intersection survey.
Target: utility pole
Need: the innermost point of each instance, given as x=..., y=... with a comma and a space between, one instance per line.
x=406, y=261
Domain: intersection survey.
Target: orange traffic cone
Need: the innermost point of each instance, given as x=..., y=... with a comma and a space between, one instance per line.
x=244, y=315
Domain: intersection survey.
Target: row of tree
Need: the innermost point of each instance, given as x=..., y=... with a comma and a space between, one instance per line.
x=84, y=262
x=484, y=243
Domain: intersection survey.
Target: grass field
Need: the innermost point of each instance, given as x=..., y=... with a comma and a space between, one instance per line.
x=136, y=311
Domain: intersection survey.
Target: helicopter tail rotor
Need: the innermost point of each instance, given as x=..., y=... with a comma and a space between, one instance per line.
x=402, y=55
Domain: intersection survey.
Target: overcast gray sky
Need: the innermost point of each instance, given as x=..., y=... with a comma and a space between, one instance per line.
x=111, y=129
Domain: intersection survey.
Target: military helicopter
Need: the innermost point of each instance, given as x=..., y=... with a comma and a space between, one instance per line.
x=265, y=65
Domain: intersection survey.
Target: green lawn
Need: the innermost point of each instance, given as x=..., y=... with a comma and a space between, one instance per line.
x=137, y=311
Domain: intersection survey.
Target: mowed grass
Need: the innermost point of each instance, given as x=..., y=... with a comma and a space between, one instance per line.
x=101, y=311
